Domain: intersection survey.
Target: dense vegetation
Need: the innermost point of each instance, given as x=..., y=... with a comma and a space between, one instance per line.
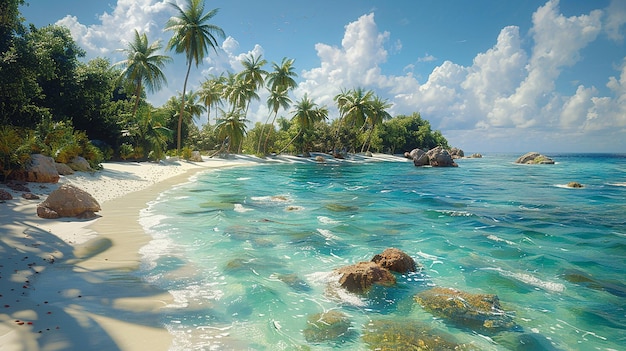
x=53, y=103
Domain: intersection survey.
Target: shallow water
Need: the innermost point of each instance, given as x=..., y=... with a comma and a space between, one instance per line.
x=247, y=252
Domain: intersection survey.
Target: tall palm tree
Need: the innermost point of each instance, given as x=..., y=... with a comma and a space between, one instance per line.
x=231, y=127
x=193, y=35
x=354, y=108
x=143, y=67
x=211, y=94
x=278, y=98
x=253, y=71
x=152, y=135
x=378, y=109
x=282, y=75
x=306, y=114
x=192, y=108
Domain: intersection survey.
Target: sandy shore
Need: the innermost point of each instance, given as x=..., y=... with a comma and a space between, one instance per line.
x=69, y=284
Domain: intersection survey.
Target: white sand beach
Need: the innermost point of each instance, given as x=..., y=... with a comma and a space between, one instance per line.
x=68, y=284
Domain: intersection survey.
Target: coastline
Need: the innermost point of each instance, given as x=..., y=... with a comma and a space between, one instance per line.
x=70, y=284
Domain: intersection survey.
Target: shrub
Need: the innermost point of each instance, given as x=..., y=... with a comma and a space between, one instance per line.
x=126, y=151
x=186, y=153
x=15, y=149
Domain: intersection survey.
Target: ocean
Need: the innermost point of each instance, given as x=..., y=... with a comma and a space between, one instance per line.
x=248, y=252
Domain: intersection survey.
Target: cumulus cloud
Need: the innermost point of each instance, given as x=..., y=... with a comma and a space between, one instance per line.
x=117, y=26
x=616, y=18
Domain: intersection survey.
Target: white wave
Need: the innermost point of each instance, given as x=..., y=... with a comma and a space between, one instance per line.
x=617, y=184
x=327, y=234
x=498, y=239
x=240, y=208
x=244, y=178
x=334, y=290
x=529, y=279
x=327, y=220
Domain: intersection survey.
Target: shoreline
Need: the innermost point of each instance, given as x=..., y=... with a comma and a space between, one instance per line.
x=71, y=284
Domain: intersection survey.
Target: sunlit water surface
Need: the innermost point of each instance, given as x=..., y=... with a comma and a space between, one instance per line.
x=247, y=251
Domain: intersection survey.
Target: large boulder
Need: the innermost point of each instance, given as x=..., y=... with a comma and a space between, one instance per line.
x=68, y=201
x=534, y=158
x=359, y=278
x=439, y=157
x=419, y=157
x=79, y=164
x=40, y=169
x=408, y=334
x=5, y=195
x=195, y=156
x=395, y=260
x=63, y=169
x=455, y=152
x=475, y=311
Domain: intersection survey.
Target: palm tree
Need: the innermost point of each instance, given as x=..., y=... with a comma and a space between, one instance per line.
x=306, y=114
x=378, y=109
x=231, y=127
x=278, y=98
x=354, y=108
x=283, y=75
x=253, y=71
x=193, y=108
x=152, y=135
x=143, y=67
x=211, y=94
x=193, y=36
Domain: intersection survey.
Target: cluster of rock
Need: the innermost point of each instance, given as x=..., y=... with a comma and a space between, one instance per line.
x=534, y=158
x=436, y=157
x=43, y=169
x=65, y=201
x=479, y=312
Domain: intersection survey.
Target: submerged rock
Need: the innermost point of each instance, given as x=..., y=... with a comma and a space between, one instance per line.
x=475, y=311
x=359, y=278
x=395, y=260
x=390, y=335
x=5, y=195
x=574, y=185
x=327, y=326
x=534, y=158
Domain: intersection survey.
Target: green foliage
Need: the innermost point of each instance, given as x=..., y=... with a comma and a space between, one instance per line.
x=126, y=151
x=14, y=152
x=186, y=153
x=405, y=133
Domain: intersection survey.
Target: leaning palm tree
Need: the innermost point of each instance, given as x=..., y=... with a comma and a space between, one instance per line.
x=231, y=128
x=143, y=67
x=378, y=114
x=306, y=114
x=354, y=108
x=283, y=75
x=278, y=98
x=193, y=35
x=211, y=94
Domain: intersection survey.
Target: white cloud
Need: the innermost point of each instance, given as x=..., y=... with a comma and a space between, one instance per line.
x=427, y=58
x=616, y=18
x=117, y=26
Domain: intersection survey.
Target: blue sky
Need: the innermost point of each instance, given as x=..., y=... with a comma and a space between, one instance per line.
x=492, y=75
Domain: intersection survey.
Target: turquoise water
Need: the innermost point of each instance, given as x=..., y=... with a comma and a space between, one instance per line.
x=247, y=252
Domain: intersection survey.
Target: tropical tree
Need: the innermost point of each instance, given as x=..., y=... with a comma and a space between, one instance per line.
x=378, y=114
x=193, y=35
x=278, y=98
x=354, y=108
x=283, y=75
x=211, y=94
x=143, y=66
x=231, y=128
x=151, y=134
x=193, y=108
x=306, y=114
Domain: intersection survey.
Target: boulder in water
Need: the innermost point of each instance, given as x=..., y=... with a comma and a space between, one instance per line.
x=327, y=326
x=359, y=278
x=534, y=158
x=408, y=335
x=475, y=311
x=395, y=260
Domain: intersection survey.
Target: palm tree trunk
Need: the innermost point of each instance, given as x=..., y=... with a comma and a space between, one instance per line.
x=137, y=92
x=182, y=110
x=290, y=141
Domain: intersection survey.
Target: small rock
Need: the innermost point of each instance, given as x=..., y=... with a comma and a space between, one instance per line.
x=5, y=195
x=30, y=196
